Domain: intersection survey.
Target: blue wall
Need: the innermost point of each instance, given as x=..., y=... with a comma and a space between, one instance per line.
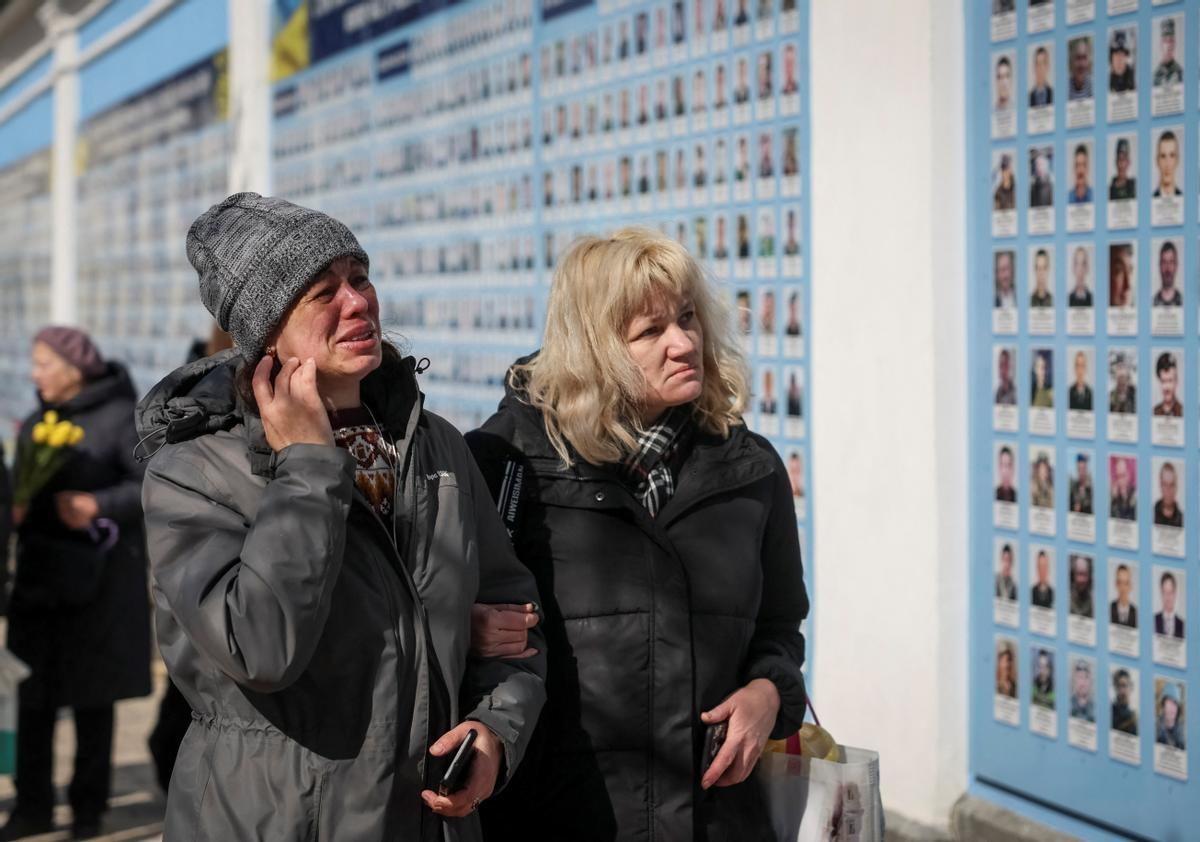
x=28, y=130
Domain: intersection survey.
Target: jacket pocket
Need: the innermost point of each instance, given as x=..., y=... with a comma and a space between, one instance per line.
x=603, y=681
x=258, y=784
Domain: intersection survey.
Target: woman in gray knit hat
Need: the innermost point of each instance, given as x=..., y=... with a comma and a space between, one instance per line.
x=317, y=540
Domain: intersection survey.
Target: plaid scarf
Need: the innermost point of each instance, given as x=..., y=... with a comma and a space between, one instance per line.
x=649, y=468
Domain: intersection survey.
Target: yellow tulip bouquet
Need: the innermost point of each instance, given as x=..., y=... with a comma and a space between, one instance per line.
x=41, y=457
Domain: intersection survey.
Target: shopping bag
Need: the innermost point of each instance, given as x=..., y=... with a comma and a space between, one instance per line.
x=12, y=672
x=812, y=800
x=818, y=791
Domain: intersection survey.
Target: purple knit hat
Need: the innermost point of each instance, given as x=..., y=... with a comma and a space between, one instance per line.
x=74, y=346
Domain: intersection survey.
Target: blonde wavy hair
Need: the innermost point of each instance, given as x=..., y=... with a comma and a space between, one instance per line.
x=585, y=382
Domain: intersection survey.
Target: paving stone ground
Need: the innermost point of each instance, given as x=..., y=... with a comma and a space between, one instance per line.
x=136, y=806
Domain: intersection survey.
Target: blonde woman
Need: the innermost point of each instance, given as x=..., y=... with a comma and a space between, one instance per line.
x=663, y=539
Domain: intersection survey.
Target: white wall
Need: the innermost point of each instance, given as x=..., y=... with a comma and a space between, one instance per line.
x=889, y=394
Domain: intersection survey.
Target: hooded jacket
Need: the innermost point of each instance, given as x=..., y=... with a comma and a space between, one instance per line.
x=321, y=661
x=92, y=652
x=649, y=622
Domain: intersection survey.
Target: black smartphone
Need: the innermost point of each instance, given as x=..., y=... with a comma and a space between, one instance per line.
x=714, y=738
x=456, y=773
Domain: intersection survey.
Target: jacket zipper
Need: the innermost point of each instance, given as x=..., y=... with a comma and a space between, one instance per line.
x=405, y=575
x=658, y=533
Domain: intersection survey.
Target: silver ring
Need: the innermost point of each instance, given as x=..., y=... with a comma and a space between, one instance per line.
x=475, y=805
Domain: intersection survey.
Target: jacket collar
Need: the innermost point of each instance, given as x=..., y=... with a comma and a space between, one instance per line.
x=202, y=397
x=715, y=462
x=112, y=385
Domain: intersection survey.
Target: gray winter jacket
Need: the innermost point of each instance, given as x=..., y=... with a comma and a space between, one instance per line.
x=321, y=663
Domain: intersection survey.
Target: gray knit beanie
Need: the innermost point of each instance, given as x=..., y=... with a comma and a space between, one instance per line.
x=255, y=254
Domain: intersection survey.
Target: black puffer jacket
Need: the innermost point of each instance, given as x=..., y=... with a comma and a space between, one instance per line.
x=86, y=655
x=649, y=622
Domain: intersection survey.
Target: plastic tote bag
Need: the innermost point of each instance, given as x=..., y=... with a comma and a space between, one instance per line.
x=816, y=800
x=817, y=791
x=12, y=672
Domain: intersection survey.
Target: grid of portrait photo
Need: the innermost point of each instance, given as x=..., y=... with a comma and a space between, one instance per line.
x=1086, y=297
x=469, y=149
x=147, y=166
x=25, y=243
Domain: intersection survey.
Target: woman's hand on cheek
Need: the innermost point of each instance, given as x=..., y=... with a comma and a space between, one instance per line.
x=291, y=407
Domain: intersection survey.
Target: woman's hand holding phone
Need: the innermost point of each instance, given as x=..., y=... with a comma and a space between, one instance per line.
x=481, y=780
x=290, y=405
x=751, y=712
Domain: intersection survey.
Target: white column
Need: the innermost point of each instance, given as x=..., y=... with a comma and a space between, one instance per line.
x=63, y=259
x=249, y=96
x=889, y=392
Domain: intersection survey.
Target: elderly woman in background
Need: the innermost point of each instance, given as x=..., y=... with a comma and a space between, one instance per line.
x=80, y=614
x=6, y=513
x=663, y=538
x=317, y=539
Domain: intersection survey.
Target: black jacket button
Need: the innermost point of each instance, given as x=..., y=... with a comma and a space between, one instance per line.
x=599, y=496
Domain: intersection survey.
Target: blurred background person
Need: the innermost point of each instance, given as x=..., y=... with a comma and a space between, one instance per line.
x=80, y=613
x=6, y=501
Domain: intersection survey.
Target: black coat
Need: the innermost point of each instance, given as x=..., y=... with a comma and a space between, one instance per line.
x=649, y=622
x=92, y=654
x=5, y=530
